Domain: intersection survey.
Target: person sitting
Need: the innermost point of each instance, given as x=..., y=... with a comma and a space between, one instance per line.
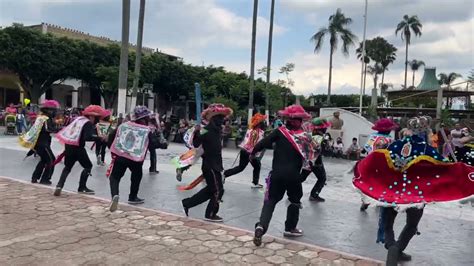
x=338, y=148
x=353, y=151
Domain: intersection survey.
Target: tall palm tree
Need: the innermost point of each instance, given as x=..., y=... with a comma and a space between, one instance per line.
x=406, y=26
x=414, y=66
x=138, y=55
x=336, y=29
x=448, y=79
x=252, y=58
x=375, y=71
x=123, y=70
x=366, y=60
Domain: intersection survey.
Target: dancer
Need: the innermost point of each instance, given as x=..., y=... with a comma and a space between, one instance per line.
x=319, y=127
x=103, y=128
x=210, y=137
x=379, y=140
x=407, y=176
x=292, y=151
x=38, y=140
x=253, y=135
x=155, y=128
x=74, y=138
x=128, y=145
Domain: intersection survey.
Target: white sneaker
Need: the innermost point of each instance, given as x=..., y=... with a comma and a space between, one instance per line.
x=114, y=203
x=257, y=186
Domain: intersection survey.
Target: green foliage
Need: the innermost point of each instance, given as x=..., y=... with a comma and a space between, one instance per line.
x=448, y=79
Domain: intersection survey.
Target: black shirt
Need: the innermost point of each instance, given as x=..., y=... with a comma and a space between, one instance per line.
x=287, y=161
x=211, y=142
x=44, y=138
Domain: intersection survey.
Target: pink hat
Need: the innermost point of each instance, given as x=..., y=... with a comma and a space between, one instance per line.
x=50, y=104
x=294, y=111
x=93, y=110
x=384, y=125
x=215, y=109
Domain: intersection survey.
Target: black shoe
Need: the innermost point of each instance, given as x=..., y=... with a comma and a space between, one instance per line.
x=364, y=206
x=214, y=219
x=45, y=182
x=114, y=203
x=404, y=257
x=392, y=255
x=86, y=191
x=154, y=172
x=186, y=209
x=57, y=191
x=34, y=181
x=136, y=200
x=293, y=233
x=316, y=198
x=179, y=174
x=257, y=238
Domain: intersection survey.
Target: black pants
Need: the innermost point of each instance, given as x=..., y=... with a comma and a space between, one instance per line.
x=276, y=189
x=120, y=166
x=244, y=161
x=73, y=155
x=44, y=169
x=100, y=149
x=320, y=173
x=152, y=160
x=212, y=192
x=413, y=218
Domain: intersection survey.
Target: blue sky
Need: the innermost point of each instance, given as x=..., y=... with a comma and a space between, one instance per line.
x=218, y=32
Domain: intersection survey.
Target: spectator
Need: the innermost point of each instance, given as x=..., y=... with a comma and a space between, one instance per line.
x=327, y=144
x=338, y=148
x=336, y=122
x=457, y=133
x=226, y=133
x=354, y=150
x=20, y=121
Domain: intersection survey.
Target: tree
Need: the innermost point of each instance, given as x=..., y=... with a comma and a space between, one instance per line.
x=470, y=78
x=38, y=59
x=336, y=29
x=414, y=66
x=382, y=52
x=406, y=27
x=287, y=69
x=448, y=79
x=108, y=75
x=375, y=71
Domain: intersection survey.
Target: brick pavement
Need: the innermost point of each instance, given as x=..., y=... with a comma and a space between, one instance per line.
x=37, y=228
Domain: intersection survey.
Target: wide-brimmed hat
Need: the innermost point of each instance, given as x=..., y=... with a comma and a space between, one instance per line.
x=50, y=104
x=93, y=110
x=216, y=109
x=294, y=111
x=140, y=112
x=384, y=125
x=257, y=119
x=320, y=123
x=106, y=113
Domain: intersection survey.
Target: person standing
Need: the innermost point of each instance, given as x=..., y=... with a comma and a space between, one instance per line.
x=74, y=138
x=210, y=138
x=320, y=125
x=253, y=135
x=38, y=140
x=157, y=134
x=103, y=128
x=336, y=122
x=291, y=152
x=128, y=145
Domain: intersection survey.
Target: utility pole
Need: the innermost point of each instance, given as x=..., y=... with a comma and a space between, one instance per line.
x=362, y=85
x=123, y=70
x=138, y=56
x=269, y=62
x=252, y=59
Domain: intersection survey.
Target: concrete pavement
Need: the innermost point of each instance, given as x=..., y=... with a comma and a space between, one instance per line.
x=337, y=223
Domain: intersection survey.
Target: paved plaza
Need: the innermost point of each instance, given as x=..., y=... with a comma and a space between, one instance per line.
x=336, y=225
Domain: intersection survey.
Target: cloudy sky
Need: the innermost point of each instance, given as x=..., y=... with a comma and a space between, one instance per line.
x=218, y=32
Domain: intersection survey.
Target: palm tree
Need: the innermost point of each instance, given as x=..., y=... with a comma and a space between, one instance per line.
x=448, y=79
x=123, y=70
x=337, y=29
x=414, y=66
x=375, y=71
x=366, y=60
x=138, y=56
x=406, y=26
x=252, y=58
